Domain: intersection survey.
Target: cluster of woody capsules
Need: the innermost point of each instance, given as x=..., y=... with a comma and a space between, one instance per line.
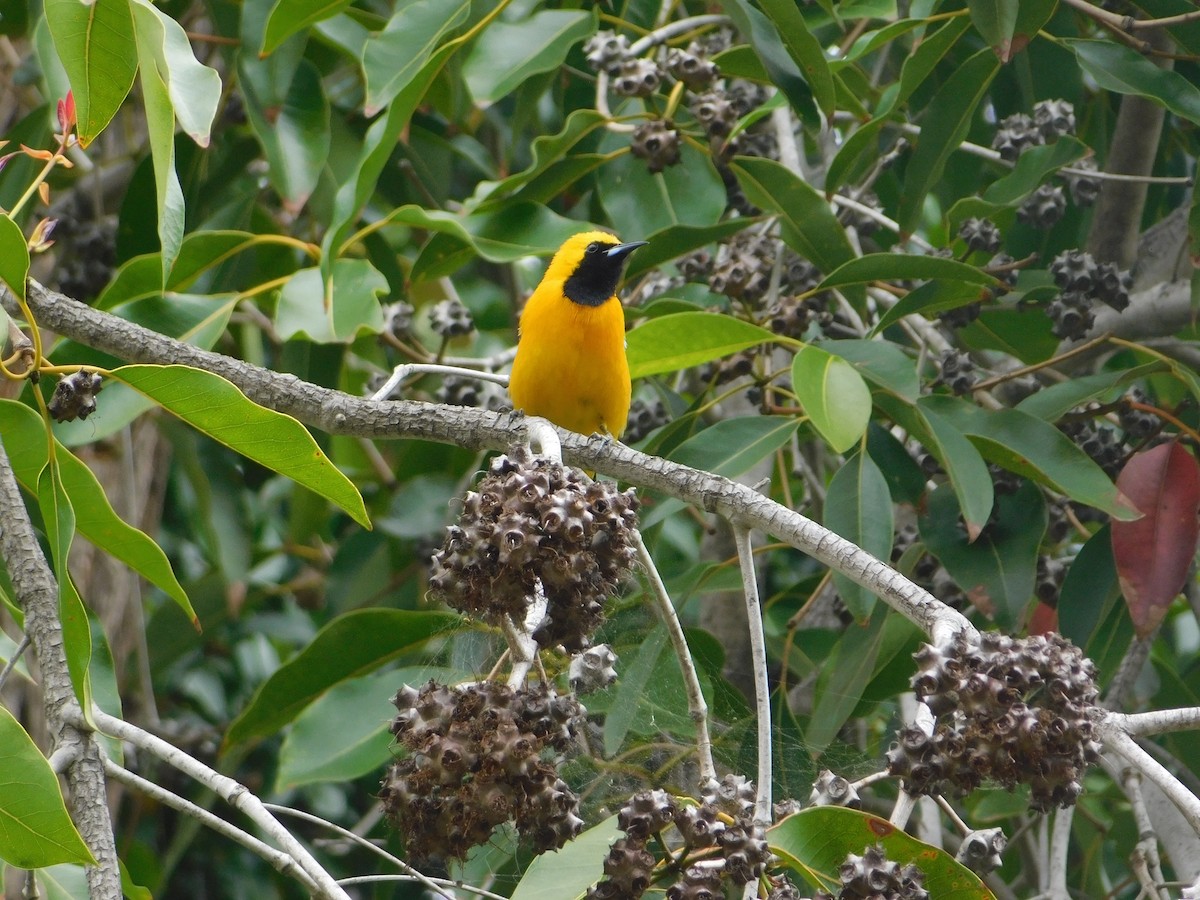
x=476, y=759
x=534, y=525
x=1008, y=710
x=715, y=843
x=479, y=755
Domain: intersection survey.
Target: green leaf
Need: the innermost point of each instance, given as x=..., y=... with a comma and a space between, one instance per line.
x=92, y=40
x=805, y=50
x=288, y=17
x=859, y=508
x=1090, y=589
x=357, y=711
x=904, y=477
x=998, y=570
x=1125, y=71
x=1033, y=167
x=995, y=20
x=776, y=59
x=1050, y=403
x=569, y=872
x=683, y=340
x=1031, y=447
x=815, y=842
x=1022, y=333
x=357, y=286
x=882, y=363
x=732, y=446
x=901, y=266
x=95, y=518
x=815, y=232
x=932, y=297
x=631, y=690
x=507, y=53
x=673, y=242
x=14, y=256
x=35, y=829
x=844, y=677
x=833, y=394
x=965, y=467
x=393, y=59
x=945, y=126
x=218, y=408
x=59, y=520
x=350, y=645
x=160, y=123
x=641, y=203
x=295, y=134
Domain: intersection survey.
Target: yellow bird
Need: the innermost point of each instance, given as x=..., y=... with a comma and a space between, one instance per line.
x=571, y=366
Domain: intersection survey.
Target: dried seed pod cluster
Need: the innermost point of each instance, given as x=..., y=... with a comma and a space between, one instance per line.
x=720, y=843
x=477, y=758
x=1013, y=711
x=75, y=396
x=1082, y=282
x=534, y=522
x=451, y=318
x=873, y=876
x=833, y=790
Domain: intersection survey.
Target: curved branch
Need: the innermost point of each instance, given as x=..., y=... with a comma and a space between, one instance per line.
x=338, y=413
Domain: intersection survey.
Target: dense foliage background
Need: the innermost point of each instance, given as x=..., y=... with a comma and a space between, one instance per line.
x=885, y=285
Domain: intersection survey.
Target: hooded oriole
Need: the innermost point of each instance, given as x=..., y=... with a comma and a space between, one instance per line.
x=570, y=366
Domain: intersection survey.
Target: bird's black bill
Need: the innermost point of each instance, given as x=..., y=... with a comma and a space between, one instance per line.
x=622, y=250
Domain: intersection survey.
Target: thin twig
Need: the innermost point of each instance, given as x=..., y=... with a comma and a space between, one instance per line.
x=1118, y=741
x=697, y=707
x=362, y=842
x=236, y=795
x=758, y=663
x=278, y=860
x=22, y=646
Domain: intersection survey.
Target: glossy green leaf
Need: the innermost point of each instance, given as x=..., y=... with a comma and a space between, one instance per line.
x=950, y=114
x=930, y=298
x=1050, y=403
x=93, y=43
x=394, y=59
x=569, y=872
x=882, y=363
x=1125, y=71
x=160, y=123
x=217, y=408
x=1023, y=333
x=295, y=134
x=904, y=477
x=631, y=689
x=359, y=712
x=998, y=570
x=352, y=644
x=815, y=842
x=902, y=266
x=35, y=828
x=841, y=682
x=1090, y=589
x=288, y=17
x=14, y=257
x=834, y=396
x=1033, y=167
x=640, y=203
x=673, y=242
x=995, y=20
x=775, y=58
x=683, y=340
x=804, y=48
x=1032, y=15
x=815, y=233
x=1031, y=447
x=965, y=467
x=732, y=446
x=58, y=518
x=859, y=149
x=194, y=88
x=95, y=518
x=357, y=286
x=858, y=506
x=507, y=53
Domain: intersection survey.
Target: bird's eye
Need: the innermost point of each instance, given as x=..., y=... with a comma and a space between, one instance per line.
x=593, y=247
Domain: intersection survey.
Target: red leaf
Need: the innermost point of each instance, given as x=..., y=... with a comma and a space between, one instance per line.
x=1043, y=620
x=1153, y=553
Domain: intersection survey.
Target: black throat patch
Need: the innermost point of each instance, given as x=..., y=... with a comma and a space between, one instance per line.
x=595, y=278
